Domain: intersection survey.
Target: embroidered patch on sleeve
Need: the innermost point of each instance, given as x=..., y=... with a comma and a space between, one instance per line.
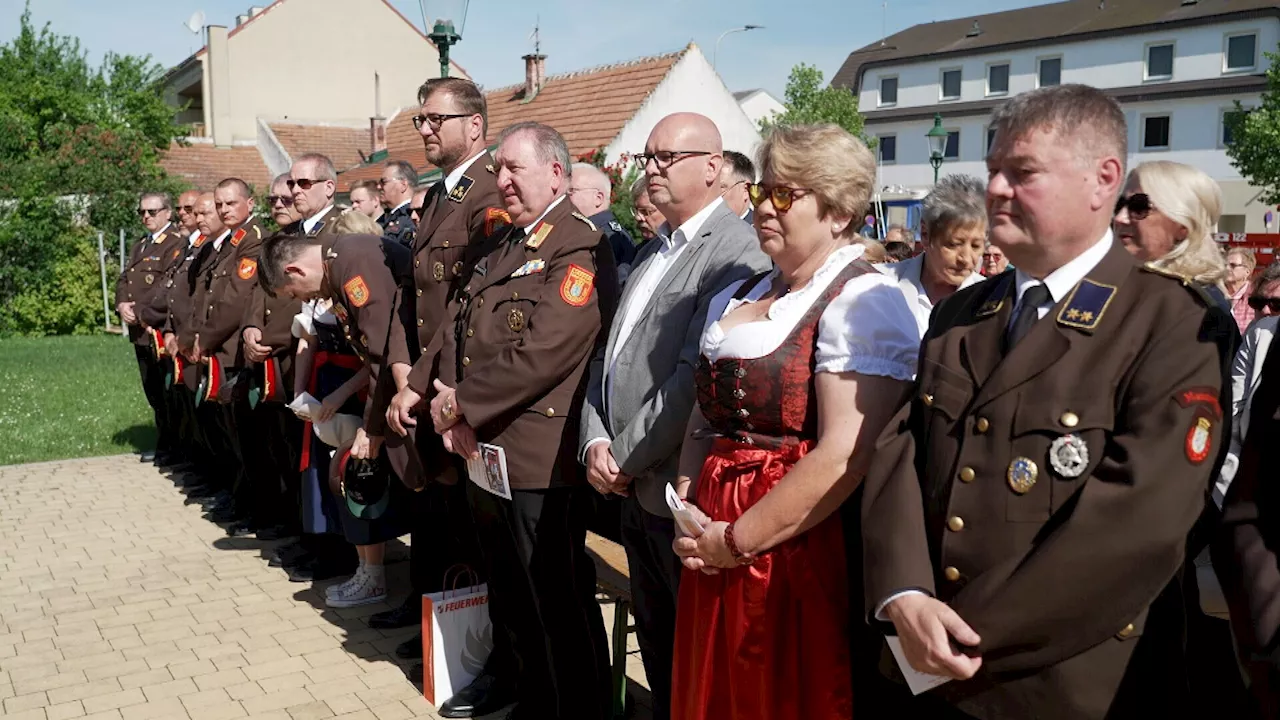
x=248, y=266
x=1203, y=396
x=357, y=291
x=1199, y=440
x=576, y=288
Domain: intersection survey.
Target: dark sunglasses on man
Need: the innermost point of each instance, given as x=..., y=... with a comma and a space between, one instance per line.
x=285, y=200
x=1139, y=205
x=304, y=183
x=187, y=208
x=415, y=210
x=1257, y=302
x=781, y=195
x=149, y=212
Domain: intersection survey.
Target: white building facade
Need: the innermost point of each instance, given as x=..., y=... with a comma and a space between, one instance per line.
x=1176, y=74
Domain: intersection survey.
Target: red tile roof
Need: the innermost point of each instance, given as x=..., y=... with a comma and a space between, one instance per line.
x=613, y=93
x=204, y=165
x=343, y=145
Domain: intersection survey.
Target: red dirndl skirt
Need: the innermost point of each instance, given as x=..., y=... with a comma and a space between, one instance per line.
x=768, y=640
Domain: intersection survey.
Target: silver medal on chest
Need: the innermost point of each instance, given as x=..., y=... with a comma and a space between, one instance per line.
x=1069, y=456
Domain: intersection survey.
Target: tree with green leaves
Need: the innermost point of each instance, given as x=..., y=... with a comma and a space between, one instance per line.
x=77, y=145
x=809, y=103
x=1255, y=137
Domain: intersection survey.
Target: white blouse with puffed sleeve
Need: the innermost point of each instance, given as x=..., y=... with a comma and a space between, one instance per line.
x=868, y=328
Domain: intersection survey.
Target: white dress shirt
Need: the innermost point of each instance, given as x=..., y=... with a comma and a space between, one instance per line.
x=161, y=230
x=217, y=244
x=451, y=180
x=195, y=235
x=529, y=228
x=406, y=202
x=1059, y=282
x=908, y=274
x=645, y=280
x=867, y=328
x=311, y=221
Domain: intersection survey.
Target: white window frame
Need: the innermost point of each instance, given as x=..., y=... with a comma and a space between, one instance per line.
x=1008, y=78
x=959, y=139
x=1142, y=132
x=1226, y=44
x=942, y=73
x=986, y=143
x=1146, y=61
x=880, y=90
x=1222, y=122
x=879, y=158
x=1061, y=68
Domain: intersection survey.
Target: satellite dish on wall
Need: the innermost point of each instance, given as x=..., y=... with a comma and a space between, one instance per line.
x=195, y=23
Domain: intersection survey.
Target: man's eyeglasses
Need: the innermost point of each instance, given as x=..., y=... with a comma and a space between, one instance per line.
x=285, y=200
x=1257, y=302
x=149, y=212
x=1139, y=205
x=781, y=195
x=415, y=210
x=187, y=208
x=666, y=158
x=434, y=120
x=642, y=214
x=1234, y=266
x=304, y=183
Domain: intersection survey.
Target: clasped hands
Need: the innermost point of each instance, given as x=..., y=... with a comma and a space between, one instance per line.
x=603, y=472
x=707, y=552
x=446, y=417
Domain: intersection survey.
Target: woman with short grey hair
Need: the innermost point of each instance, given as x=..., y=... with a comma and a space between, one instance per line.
x=953, y=231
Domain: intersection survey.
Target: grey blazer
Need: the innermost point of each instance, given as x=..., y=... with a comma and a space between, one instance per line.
x=652, y=380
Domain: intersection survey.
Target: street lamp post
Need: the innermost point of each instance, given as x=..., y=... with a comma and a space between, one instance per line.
x=937, y=137
x=446, y=30
x=745, y=28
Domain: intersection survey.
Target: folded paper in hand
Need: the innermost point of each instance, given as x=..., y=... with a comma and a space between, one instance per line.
x=489, y=471
x=305, y=406
x=918, y=682
x=689, y=525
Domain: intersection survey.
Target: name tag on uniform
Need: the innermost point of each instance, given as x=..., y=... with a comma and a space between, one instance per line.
x=530, y=268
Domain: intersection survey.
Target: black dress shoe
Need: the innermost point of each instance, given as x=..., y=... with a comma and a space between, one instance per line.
x=407, y=614
x=240, y=528
x=225, y=515
x=162, y=458
x=486, y=694
x=147, y=456
x=273, y=532
x=410, y=649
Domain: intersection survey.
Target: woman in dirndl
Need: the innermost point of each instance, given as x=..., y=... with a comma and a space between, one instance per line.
x=800, y=369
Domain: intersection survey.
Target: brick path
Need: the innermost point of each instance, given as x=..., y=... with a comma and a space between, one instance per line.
x=118, y=601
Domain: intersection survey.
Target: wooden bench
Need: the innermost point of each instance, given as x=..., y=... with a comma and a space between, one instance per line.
x=614, y=579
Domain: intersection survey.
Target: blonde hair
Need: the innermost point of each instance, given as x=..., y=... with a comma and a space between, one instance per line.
x=828, y=160
x=1192, y=199
x=874, y=252
x=352, y=222
x=1246, y=255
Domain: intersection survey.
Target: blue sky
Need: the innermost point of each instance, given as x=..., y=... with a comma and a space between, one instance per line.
x=576, y=34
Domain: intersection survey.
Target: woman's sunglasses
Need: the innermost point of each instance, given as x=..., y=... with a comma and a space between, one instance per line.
x=1139, y=205
x=781, y=195
x=1257, y=302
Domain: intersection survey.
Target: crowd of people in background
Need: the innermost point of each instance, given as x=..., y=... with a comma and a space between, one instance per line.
x=993, y=454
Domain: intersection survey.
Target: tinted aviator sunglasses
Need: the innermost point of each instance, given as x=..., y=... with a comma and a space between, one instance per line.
x=781, y=195
x=285, y=200
x=1257, y=302
x=304, y=183
x=149, y=212
x=1139, y=205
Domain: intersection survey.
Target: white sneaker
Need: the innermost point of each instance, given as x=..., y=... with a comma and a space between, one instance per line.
x=338, y=589
x=368, y=591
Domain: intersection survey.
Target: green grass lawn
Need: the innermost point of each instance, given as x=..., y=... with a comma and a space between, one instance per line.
x=70, y=397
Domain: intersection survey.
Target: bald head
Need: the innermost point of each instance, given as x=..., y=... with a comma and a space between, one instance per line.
x=187, y=210
x=207, y=218
x=589, y=189
x=683, y=166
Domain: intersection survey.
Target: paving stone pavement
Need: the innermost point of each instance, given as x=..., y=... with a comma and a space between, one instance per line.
x=120, y=602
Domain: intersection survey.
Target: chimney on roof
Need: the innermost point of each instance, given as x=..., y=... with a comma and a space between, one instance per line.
x=218, y=73
x=535, y=74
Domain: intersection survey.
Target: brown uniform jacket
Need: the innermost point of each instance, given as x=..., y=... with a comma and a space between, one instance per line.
x=230, y=292
x=365, y=292
x=1058, y=571
x=206, y=262
x=148, y=261
x=1246, y=555
x=155, y=313
x=526, y=323
x=443, y=249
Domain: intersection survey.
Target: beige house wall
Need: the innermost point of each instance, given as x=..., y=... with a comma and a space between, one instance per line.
x=315, y=60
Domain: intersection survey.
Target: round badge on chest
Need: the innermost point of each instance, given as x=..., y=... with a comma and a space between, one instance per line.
x=437, y=271
x=515, y=320
x=1069, y=456
x=1022, y=475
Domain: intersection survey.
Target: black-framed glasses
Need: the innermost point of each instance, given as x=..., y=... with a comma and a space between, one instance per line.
x=304, y=183
x=150, y=212
x=1139, y=205
x=781, y=195
x=434, y=120
x=285, y=200
x=666, y=158
x=1257, y=302
x=416, y=210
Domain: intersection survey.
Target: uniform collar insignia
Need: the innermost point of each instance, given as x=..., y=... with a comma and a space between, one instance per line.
x=1085, y=305
x=530, y=268
x=538, y=234
x=489, y=167
x=995, y=300
x=316, y=230
x=459, y=191
x=160, y=237
x=238, y=236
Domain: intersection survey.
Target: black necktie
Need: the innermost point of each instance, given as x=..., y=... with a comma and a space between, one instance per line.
x=1028, y=313
x=440, y=195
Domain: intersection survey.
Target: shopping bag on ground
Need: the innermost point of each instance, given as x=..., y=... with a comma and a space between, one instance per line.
x=457, y=636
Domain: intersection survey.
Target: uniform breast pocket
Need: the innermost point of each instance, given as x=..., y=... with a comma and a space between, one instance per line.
x=944, y=394
x=516, y=304
x=445, y=263
x=1057, y=443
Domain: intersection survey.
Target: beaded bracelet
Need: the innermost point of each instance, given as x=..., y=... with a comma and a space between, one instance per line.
x=738, y=556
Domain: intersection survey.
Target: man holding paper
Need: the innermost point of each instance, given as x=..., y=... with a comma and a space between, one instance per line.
x=512, y=373
x=1026, y=513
